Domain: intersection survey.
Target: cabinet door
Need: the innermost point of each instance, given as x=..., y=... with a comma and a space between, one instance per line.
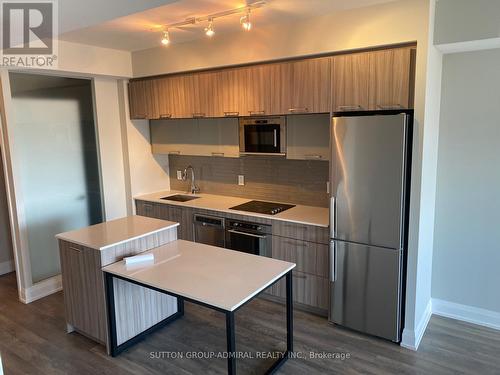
x=148, y=209
x=308, y=137
x=143, y=99
x=84, y=289
x=177, y=136
x=310, y=86
x=350, y=80
x=233, y=87
x=309, y=290
x=390, y=78
x=137, y=100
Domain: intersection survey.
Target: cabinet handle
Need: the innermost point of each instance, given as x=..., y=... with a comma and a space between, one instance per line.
x=166, y=115
x=299, y=276
x=253, y=113
x=313, y=157
x=389, y=106
x=218, y=154
x=298, y=110
x=350, y=107
x=139, y=117
x=199, y=115
x=148, y=206
x=75, y=249
x=231, y=114
x=296, y=243
x=174, y=152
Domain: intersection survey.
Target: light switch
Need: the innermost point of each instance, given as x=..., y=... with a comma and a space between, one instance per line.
x=241, y=180
x=179, y=175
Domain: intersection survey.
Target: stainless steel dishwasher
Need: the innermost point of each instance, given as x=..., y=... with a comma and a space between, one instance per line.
x=209, y=230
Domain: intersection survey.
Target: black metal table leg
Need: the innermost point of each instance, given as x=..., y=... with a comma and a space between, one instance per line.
x=231, y=343
x=110, y=297
x=180, y=306
x=289, y=313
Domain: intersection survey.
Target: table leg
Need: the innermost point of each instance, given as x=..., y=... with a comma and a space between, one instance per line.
x=110, y=297
x=231, y=343
x=289, y=313
x=180, y=306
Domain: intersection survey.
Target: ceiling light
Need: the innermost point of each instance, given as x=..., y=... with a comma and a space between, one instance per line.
x=209, y=30
x=166, y=38
x=245, y=21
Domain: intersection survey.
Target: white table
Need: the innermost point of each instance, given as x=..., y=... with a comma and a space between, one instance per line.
x=220, y=279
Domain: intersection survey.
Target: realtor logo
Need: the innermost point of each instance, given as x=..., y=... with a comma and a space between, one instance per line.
x=28, y=31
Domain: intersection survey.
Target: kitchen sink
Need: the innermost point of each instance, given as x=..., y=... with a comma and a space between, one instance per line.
x=180, y=198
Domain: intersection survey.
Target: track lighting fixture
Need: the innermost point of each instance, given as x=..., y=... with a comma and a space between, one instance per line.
x=166, y=38
x=209, y=30
x=245, y=21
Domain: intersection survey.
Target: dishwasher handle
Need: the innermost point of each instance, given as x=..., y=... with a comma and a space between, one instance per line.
x=212, y=221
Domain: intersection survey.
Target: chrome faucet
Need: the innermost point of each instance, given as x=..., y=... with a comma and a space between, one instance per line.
x=194, y=189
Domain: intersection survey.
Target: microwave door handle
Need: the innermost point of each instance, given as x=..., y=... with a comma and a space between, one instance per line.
x=275, y=138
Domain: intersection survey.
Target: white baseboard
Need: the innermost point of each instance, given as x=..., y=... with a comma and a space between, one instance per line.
x=7, y=267
x=466, y=313
x=411, y=338
x=41, y=289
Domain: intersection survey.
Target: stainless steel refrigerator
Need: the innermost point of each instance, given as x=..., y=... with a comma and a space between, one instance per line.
x=369, y=184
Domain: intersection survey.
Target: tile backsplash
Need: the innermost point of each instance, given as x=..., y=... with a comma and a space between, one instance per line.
x=275, y=179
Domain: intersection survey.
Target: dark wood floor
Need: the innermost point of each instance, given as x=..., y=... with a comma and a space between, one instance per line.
x=33, y=341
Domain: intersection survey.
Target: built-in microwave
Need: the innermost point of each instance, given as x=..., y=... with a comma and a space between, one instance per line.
x=263, y=136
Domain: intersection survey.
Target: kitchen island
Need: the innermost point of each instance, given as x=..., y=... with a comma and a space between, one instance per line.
x=85, y=251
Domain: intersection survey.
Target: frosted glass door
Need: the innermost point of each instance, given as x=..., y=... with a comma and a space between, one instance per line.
x=57, y=167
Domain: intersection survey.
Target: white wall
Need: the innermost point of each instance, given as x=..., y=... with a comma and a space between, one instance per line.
x=466, y=20
x=390, y=23
x=111, y=147
x=148, y=173
x=467, y=237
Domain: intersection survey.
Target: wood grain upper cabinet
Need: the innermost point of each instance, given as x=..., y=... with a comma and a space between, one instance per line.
x=350, y=82
x=143, y=99
x=390, y=79
x=310, y=86
x=231, y=92
x=137, y=100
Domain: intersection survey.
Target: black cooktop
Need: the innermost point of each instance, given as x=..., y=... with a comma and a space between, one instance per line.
x=261, y=207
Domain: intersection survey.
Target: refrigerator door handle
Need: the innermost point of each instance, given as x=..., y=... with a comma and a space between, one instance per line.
x=333, y=261
x=333, y=216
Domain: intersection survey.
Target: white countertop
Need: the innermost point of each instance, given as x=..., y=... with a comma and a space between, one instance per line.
x=115, y=232
x=218, y=277
x=309, y=215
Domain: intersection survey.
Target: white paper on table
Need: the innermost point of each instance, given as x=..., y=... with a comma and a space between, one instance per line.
x=141, y=258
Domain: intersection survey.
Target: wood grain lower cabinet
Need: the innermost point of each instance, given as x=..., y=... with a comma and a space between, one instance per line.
x=310, y=257
x=181, y=215
x=310, y=233
x=83, y=290
x=308, y=290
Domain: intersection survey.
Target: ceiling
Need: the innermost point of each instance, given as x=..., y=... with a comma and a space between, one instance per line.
x=142, y=29
x=78, y=14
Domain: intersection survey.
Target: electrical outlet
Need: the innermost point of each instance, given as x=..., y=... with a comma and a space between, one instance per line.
x=179, y=175
x=241, y=180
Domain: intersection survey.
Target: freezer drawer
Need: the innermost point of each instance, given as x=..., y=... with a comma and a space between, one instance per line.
x=366, y=289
